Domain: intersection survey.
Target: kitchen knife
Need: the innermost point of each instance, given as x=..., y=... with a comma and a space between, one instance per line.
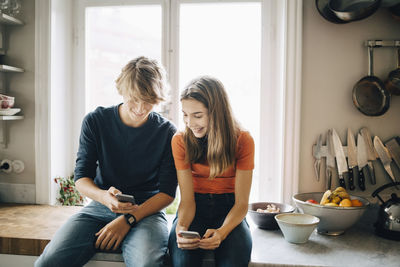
x=362, y=160
x=317, y=155
x=370, y=152
x=384, y=155
x=330, y=160
x=340, y=159
x=352, y=159
x=394, y=148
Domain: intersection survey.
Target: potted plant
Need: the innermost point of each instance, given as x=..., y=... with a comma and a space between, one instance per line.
x=68, y=194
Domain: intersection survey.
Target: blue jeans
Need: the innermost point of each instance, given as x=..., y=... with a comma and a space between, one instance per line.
x=211, y=210
x=73, y=244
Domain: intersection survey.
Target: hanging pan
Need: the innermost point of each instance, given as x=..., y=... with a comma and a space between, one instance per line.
x=392, y=83
x=352, y=10
x=326, y=13
x=369, y=94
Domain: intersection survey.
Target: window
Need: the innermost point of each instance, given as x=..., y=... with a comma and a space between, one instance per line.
x=251, y=46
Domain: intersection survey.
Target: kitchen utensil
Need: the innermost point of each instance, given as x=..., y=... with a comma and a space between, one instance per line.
x=296, y=227
x=340, y=159
x=384, y=155
x=333, y=220
x=362, y=160
x=392, y=83
x=369, y=94
x=353, y=10
x=393, y=145
x=317, y=156
x=352, y=159
x=330, y=160
x=388, y=222
x=265, y=220
x=326, y=13
x=372, y=155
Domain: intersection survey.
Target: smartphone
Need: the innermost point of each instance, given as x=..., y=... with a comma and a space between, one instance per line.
x=125, y=198
x=189, y=234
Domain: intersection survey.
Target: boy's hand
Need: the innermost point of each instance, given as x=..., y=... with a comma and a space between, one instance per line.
x=110, y=201
x=111, y=235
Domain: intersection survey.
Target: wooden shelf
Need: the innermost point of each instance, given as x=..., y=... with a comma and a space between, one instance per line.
x=8, y=20
x=7, y=68
x=11, y=118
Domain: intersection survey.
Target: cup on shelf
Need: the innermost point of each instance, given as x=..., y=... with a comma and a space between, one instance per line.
x=6, y=102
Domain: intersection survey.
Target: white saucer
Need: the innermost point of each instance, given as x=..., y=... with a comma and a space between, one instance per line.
x=9, y=111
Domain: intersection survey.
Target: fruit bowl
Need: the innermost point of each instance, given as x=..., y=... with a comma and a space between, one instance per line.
x=267, y=220
x=333, y=220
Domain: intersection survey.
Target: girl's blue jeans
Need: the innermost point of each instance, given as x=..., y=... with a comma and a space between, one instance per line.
x=73, y=244
x=211, y=210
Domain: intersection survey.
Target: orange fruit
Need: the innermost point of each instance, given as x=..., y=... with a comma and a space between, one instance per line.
x=345, y=203
x=356, y=203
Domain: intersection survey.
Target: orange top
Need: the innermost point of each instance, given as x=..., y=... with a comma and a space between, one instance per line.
x=224, y=183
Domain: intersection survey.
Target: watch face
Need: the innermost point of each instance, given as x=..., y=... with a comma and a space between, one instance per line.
x=131, y=219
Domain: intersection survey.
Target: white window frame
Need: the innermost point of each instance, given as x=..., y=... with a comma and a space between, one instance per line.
x=280, y=68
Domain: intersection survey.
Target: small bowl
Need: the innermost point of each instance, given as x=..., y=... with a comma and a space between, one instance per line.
x=296, y=227
x=266, y=220
x=334, y=220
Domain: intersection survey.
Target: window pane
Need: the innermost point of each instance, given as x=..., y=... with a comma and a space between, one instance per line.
x=115, y=35
x=229, y=48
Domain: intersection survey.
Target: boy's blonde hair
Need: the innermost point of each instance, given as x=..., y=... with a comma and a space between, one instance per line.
x=143, y=78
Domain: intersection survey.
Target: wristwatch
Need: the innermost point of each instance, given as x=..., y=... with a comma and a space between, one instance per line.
x=130, y=219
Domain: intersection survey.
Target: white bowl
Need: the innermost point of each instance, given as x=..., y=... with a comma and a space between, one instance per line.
x=334, y=220
x=296, y=227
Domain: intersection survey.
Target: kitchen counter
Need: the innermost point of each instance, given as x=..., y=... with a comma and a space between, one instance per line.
x=26, y=229
x=358, y=246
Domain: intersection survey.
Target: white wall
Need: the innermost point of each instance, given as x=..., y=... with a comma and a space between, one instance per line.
x=334, y=59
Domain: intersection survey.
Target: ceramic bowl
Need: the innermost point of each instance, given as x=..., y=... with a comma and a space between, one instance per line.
x=296, y=227
x=266, y=220
x=333, y=220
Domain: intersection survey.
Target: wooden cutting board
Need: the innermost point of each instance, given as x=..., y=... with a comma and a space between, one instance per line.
x=26, y=229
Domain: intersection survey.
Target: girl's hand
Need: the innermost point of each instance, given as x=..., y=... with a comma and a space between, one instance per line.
x=110, y=201
x=211, y=239
x=186, y=243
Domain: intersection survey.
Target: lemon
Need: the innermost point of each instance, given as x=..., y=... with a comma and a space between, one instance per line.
x=345, y=203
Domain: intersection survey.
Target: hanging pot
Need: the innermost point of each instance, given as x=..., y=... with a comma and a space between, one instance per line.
x=392, y=83
x=326, y=13
x=352, y=10
x=369, y=94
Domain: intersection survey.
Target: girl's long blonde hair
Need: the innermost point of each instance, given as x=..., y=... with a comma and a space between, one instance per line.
x=223, y=129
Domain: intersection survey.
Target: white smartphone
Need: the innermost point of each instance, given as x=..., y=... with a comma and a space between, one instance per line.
x=189, y=234
x=125, y=198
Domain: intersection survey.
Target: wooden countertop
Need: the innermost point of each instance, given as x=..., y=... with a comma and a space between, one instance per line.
x=27, y=229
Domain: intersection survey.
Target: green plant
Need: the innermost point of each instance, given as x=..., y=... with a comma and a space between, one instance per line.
x=68, y=194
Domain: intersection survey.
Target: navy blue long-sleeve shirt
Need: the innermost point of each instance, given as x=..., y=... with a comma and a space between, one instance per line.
x=137, y=161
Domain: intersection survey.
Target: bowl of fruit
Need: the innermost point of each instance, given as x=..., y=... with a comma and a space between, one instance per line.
x=337, y=210
x=263, y=213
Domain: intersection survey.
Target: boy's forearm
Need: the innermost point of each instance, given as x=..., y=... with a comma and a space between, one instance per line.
x=152, y=205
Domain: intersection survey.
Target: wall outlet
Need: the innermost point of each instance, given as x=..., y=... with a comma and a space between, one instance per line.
x=6, y=165
x=18, y=166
